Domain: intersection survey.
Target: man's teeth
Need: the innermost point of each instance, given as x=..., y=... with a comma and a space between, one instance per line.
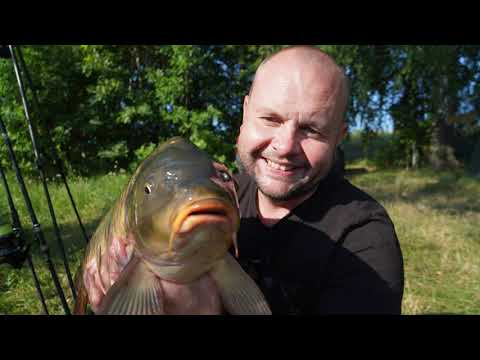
x=276, y=166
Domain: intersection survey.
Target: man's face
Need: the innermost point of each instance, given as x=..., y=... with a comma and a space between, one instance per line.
x=290, y=129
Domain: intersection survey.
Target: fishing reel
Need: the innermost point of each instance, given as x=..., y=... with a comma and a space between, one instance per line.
x=13, y=249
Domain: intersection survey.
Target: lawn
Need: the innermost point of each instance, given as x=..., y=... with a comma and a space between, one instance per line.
x=435, y=216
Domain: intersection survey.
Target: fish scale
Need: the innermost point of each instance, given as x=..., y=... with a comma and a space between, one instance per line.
x=182, y=226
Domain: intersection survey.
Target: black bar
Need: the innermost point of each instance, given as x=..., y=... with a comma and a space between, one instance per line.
x=39, y=161
x=4, y=52
x=38, y=234
x=56, y=158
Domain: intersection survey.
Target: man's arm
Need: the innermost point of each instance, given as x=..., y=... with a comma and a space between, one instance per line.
x=366, y=275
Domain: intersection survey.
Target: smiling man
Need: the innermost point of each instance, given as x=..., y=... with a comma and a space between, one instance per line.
x=314, y=243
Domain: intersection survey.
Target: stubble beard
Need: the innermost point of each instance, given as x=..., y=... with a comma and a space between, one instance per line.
x=299, y=188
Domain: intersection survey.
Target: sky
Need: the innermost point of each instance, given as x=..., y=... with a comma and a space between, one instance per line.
x=387, y=125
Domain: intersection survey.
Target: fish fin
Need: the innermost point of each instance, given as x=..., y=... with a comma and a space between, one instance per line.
x=82, y=297
x=240, y=295
x=137, y=291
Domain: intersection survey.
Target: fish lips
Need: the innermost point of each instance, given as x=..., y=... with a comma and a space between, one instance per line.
x=205, y=212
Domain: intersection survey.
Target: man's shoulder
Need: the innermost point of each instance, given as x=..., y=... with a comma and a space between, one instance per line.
x=343, y=207
x=346, y=194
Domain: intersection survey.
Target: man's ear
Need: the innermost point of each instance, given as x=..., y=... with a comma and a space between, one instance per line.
x=246, y=100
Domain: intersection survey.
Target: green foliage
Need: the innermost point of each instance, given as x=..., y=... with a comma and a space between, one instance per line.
x=105, y=102
x=102, y=103
x=141, y=154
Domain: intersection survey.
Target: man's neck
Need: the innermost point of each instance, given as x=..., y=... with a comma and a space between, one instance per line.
x=271, y=211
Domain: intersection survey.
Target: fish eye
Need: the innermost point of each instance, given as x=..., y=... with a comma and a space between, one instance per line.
x=148, y=188
x=225, y=176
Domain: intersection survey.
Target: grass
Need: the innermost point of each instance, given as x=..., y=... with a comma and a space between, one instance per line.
x=93, y=197
x=435, y=215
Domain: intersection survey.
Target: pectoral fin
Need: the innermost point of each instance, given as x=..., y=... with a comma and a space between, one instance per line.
x=136, y=292
x=240, y=295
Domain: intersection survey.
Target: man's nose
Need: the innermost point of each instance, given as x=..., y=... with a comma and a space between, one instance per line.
x=285, y=141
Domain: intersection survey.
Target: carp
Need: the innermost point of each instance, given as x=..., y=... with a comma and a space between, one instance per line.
x=163, y=248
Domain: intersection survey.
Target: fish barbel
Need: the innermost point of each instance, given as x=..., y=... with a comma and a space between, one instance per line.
x=163, y=248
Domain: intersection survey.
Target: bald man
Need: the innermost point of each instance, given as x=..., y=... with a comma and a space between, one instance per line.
x=313, y=242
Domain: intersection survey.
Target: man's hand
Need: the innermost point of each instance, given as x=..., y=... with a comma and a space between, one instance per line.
x=98, y=281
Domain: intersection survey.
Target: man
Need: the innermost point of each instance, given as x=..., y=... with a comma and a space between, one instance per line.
x=314, y=243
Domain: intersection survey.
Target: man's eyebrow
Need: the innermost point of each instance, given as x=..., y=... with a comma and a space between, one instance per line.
x=318, y=123
x=266, y=110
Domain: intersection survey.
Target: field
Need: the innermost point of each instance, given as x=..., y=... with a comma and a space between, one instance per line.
x=435, y=215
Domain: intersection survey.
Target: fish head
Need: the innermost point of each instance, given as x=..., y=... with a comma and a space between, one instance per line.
x=183, y=205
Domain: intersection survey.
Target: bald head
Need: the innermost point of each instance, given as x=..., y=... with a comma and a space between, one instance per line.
x=308, y=64
x=293, y=120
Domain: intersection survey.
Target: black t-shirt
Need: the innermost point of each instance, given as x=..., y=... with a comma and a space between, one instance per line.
x=336, y=253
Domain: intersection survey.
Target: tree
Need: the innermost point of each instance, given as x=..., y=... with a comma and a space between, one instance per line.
x=109, y=105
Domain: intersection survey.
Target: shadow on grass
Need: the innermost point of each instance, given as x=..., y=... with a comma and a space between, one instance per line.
x=428, y=195
x=447, y=186
x=71, y=236
x=355, y=171
x=74, y=244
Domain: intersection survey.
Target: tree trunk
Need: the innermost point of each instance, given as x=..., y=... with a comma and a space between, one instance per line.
x=475, y=160
x=442, y=154
x=415, y=155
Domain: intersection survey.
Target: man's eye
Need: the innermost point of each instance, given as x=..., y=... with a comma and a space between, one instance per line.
x=225, y=176
x=311, y=131
x=270, y=120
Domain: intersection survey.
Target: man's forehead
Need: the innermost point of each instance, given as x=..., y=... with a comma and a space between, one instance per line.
x=320, y=117
x=298, y=68
x=308, y=83
x=291, y=82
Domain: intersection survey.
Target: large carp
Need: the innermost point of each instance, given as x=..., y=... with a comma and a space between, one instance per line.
x=163, y=247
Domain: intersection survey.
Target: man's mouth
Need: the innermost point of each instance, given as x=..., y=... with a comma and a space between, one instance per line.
x=283, y=169
x=278, y=166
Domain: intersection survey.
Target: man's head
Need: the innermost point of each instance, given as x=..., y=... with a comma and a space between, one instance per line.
x=293, y=120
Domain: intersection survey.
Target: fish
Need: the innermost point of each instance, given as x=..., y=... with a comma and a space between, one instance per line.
x=165, y=246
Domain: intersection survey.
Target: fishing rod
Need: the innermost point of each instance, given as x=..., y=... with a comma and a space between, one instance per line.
x=37, y=231
x=39, y=159
x=16, y=253
x=56, y=157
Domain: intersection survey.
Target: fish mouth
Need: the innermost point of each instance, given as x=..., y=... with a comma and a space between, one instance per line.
x=204, y=212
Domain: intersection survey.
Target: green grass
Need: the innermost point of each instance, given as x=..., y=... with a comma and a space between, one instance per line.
x=435, y=215
x=93, y=198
